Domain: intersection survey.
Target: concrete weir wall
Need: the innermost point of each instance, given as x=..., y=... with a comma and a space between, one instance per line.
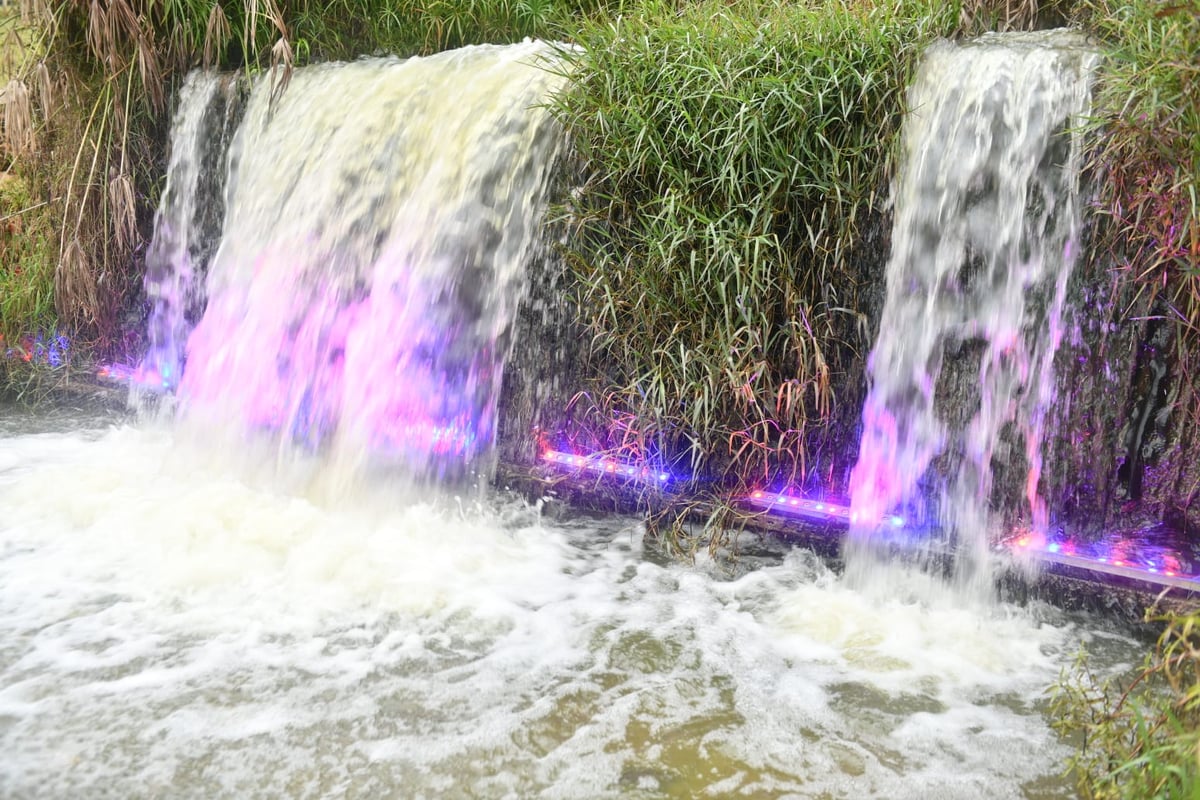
x=1126, y=595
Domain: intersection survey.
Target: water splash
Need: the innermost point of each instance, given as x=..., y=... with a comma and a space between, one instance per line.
x=985, y=236
x=380, y=217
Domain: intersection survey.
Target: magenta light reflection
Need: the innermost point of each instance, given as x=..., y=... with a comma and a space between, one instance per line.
x=376, y=369
x=606, y=466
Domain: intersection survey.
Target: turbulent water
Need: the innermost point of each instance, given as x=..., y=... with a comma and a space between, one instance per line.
x=180, y=617
x=380, y=217
x=987, y=217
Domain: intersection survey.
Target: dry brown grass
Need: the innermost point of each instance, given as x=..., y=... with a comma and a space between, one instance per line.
x=978, y=16
x=19, y=141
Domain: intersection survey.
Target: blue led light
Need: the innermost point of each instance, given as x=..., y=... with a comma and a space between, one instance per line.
x=1113, y=558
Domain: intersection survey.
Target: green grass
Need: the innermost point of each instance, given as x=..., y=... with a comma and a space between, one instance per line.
x=26, y=263
x=1148, y=157
x=733, y=149
x=27, y=223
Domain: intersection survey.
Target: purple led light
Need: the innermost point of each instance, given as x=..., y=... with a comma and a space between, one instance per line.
x=605, y=466
x=48, y=350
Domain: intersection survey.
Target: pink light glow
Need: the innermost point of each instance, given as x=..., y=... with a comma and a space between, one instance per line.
x=890, y=460
x=369, y=371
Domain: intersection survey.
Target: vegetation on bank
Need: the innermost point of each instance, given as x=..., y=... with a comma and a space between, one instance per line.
x=26, y=263
x=735, y=152
x=1148, y=159
x=1140, y=738
x=1147, y=162
x=27, y=225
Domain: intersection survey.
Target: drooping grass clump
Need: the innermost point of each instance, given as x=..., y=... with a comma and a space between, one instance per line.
x=1140, y=738
x=734, y=153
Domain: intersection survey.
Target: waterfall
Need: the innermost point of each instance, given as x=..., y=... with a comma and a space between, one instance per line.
x=379, y=219
x=174, y=273
x=986, y=231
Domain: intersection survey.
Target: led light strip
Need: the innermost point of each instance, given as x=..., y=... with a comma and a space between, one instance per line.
x=796, y=506
x=1066, y=554
x=606, y=466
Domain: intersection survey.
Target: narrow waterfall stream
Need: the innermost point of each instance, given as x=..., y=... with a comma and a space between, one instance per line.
x=987, y=220
x=174, y=278
x=187, y=609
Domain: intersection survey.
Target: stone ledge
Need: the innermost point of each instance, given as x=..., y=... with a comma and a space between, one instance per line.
x=1073, y=585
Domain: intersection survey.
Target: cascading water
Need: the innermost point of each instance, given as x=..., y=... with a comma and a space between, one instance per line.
x=986, y=230
x=183, y=619
x=380, y=218
x=173, y=276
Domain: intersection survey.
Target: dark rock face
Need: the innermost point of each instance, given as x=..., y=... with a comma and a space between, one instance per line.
x=1126, y=448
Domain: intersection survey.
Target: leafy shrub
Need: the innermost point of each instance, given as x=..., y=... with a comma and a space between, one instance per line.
x=1141, y=739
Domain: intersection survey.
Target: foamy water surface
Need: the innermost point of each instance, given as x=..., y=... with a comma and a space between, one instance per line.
x=182, y=618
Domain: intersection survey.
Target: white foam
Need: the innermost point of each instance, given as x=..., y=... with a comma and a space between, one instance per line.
x=186, y=620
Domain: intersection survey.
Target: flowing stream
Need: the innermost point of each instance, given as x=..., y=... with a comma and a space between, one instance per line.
x=285, y=588
x=182, y=617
